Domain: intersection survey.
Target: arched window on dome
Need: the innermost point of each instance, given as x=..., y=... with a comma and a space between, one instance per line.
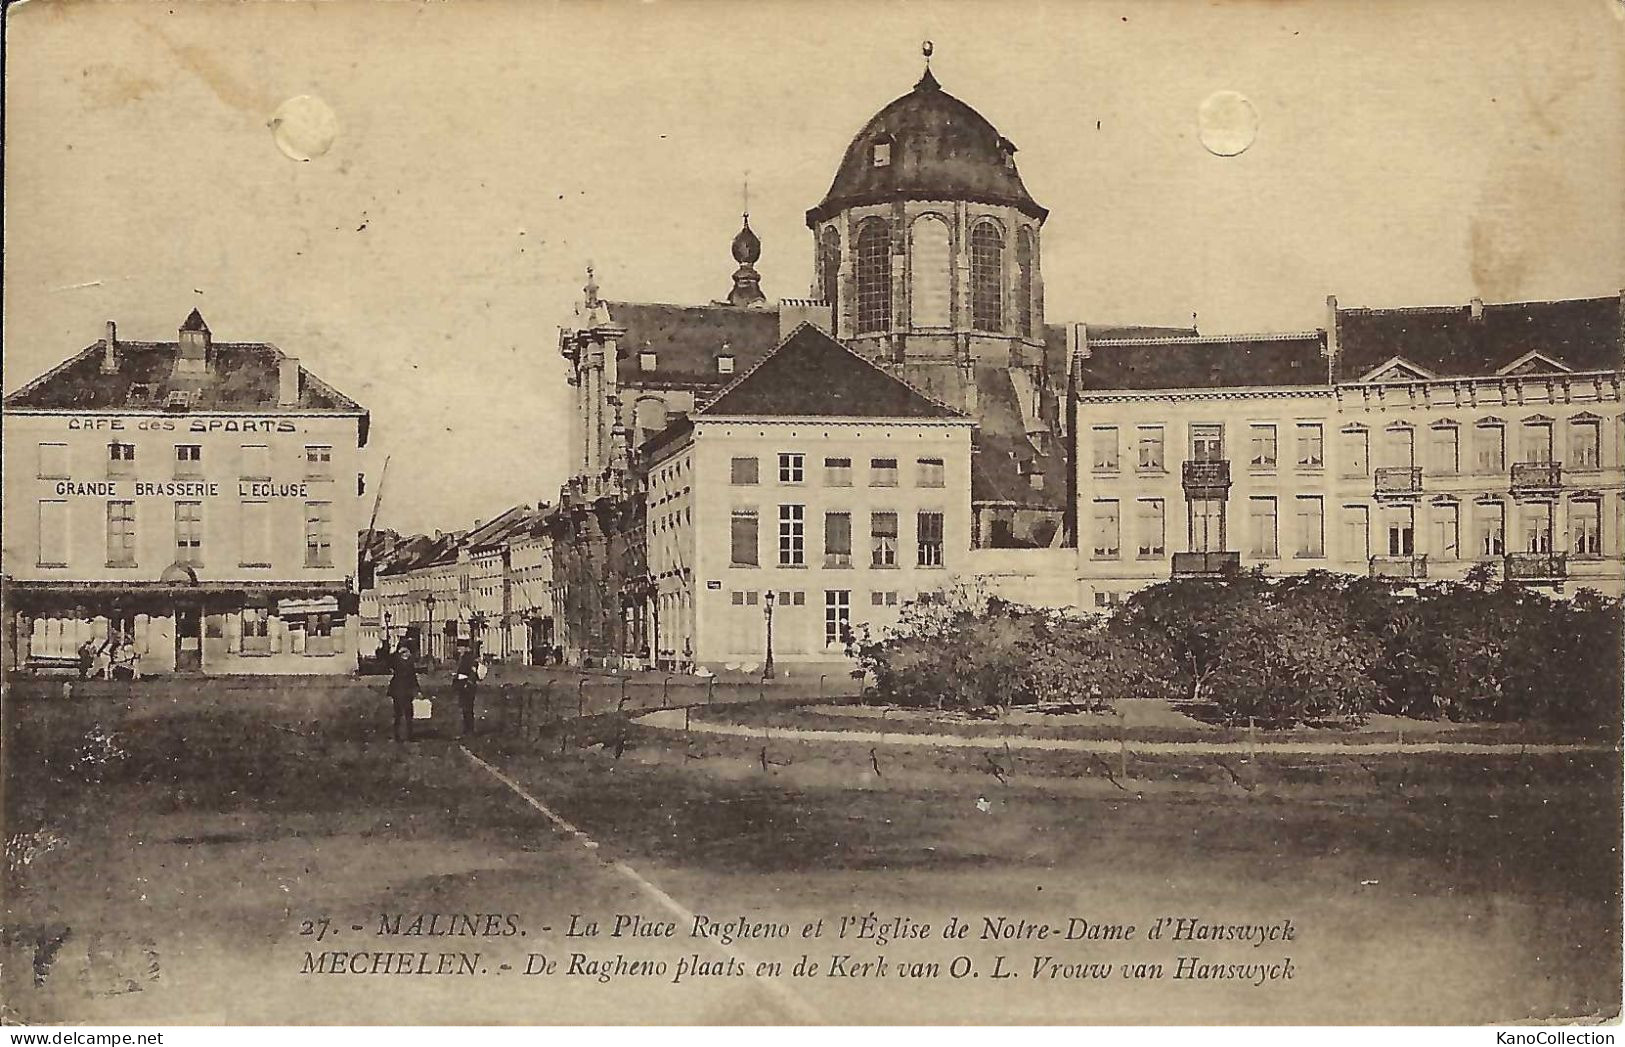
x=987, y=277
x=872, y=258
x=1024, y=280
x=928, y=269
x=829, y=268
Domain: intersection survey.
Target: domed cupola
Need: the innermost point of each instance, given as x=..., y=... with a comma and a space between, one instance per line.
x=927, y=145
x=747, y=250
x=926, y=245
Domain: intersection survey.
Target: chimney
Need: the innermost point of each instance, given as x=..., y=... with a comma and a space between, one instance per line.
x=1080, y=341
x=110, y=350
x=1475, y=306
x=287, y=385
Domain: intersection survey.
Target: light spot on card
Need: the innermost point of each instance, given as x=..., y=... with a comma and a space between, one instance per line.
x=1227, y=123
x=304, y=127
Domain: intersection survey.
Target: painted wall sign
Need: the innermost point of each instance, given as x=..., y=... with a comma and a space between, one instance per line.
x=175, y=489
x=190, y=425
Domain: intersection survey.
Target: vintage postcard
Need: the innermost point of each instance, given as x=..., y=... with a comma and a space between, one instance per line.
x=663, y=514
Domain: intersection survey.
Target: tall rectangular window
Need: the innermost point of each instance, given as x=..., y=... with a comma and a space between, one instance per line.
x=837, y=617
x=1356, y=448
x=1536, y=518
x=883, y=539
x=1151, y=526
x=792, y=467
x=1207, y=525
x=1107, y=542
x=1585, y=445
x=744, y=471
x=1400, y=446
x=256, y=534
x=53, y=533
x=188, y=460
x=1357, y=533
x=743, y=539
x=53, y=461
x=256, y=462
x=1585, y=527
x=120, y=460
x=318, y=462
x=1261, y=443
x=1103, y=441
x=929, y=528
x=1447, y=531
x=837, y=539
x=933, y=472
x=1311, y=445
x=792, y=535
x=318, y=534
x=1261, y=523
x=1150, y=454
x=1537, y=442
x=189, y=533
x=1207, y=442
x=1399, y=521
x=1489, y=524
x=882, y=472
x=1445, y=458
x=837, y=472
x=121, y=534
x=255, y=629
x=1492, y=448
x=1311, y=527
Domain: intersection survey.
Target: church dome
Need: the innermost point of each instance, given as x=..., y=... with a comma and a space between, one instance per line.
x=747, y=247
x=927, y=145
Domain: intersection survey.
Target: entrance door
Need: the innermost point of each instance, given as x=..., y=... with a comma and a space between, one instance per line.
x=188, y=640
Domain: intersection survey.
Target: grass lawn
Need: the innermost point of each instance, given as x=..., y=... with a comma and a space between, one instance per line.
x=185, y=835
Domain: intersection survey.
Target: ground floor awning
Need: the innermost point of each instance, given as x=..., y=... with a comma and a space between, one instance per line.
x=96, y=598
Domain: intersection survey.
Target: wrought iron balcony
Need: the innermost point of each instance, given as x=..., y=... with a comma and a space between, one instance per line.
x=1402, y=567
x=1206, y=565
x=1398, y=481
x=1537, y=568
x=1537, y=477
x=1209, y=479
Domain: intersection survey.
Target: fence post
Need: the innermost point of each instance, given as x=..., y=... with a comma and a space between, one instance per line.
x=710, y=689
x=581, y=698
x=1252, y=738
x=665, y=691
x=1122, y=745
x=821, y=686
x=622, y=704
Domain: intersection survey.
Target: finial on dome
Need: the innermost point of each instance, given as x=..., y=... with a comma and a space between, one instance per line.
x=926, y=79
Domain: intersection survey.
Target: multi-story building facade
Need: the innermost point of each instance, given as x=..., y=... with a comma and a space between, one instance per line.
x=812, y=499
x=197, y=500
x=1408, y=444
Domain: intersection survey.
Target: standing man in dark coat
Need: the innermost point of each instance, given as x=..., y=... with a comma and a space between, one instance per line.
x=463, y=680
x=403, y=687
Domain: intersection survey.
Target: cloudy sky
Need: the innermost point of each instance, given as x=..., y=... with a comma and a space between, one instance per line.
x=485, y=152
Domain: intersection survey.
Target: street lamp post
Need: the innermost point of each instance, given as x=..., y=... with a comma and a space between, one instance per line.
x=385, y=644
x=428, y=641
x=767, y=612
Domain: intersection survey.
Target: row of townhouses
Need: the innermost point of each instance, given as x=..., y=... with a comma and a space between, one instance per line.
x=755, y=485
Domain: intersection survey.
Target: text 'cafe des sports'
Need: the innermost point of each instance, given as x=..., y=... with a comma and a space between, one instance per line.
x=192, y=503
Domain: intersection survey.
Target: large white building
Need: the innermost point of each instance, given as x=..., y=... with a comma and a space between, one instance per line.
x=813, y=498
x=1408, y=444
x=197, y=499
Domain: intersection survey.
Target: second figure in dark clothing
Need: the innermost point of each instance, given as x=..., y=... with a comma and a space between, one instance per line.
x=464, y=678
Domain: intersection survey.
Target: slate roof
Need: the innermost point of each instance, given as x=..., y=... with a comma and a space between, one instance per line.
x=1226, y=361
x=1584, y=334
x=941, y=149
x=811, y=375
x=1056, y=339
x=500, y=528
x=686, y=340
x=241, y=376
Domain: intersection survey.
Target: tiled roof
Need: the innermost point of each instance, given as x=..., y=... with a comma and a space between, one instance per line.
x=240, y=376
x=940, y=149
x=686, y=340
x=499, y=528
x=1055, y=338
x=813, y=375
x=1227, y=361
x=1583, y=334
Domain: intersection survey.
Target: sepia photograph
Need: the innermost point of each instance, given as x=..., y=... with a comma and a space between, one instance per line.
x=787, y=514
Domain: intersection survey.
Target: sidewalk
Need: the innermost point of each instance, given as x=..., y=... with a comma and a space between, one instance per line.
x=676, y=720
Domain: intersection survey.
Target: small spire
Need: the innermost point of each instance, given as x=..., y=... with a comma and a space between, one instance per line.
x=591, y=290
x=745, y=193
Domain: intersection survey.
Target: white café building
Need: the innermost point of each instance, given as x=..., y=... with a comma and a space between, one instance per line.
x=196, y=499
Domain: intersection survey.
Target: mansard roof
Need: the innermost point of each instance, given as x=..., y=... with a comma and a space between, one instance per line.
x=811, y=375
x=1211, y=362
x=1584, y=334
